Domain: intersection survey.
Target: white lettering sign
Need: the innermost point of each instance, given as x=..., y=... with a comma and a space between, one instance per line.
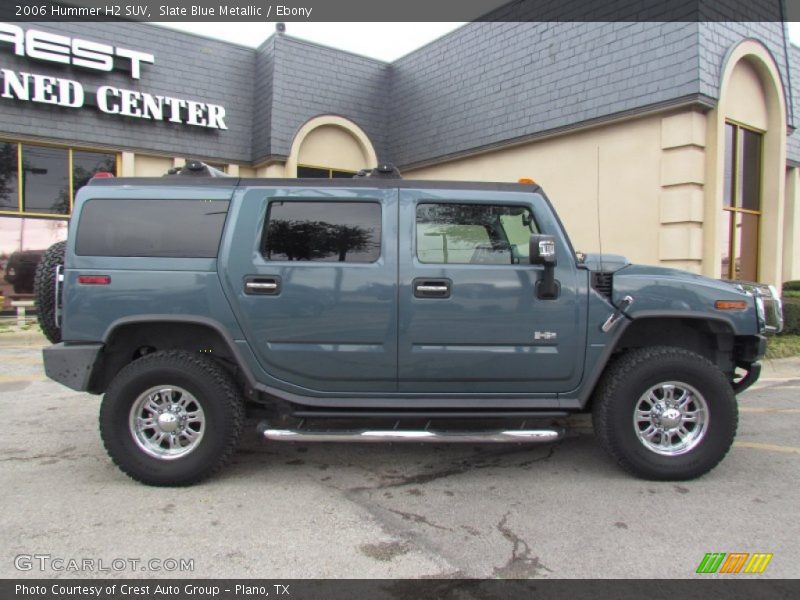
x=45, y=89
x=52, y=47
x=61, y=49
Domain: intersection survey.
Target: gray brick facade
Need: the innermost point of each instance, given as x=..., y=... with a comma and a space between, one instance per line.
x=491, y=82
x=186, y=66
x=483, y=85
x=309, y=80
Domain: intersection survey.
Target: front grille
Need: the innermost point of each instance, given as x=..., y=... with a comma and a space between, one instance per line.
x=603, y=283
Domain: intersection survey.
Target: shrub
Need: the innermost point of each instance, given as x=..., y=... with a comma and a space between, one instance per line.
x=791, y=286
x=791, y=316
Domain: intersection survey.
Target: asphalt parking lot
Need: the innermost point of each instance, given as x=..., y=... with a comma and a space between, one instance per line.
x=374, y=511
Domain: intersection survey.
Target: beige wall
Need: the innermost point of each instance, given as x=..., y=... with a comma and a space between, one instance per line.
x=151, y=166
x=791, y=226
x=747, y=104
x=331, y=146
x=629, y=155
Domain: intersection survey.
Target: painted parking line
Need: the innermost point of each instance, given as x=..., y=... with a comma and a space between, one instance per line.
x=768, y=447
x=15, y=378
x=17, y=360
x=764, y=409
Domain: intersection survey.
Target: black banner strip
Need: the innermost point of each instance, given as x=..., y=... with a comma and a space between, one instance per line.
x=734, y=587
x=394, y=11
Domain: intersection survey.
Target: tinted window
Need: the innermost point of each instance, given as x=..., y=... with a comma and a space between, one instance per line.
x=45, y=180
x=86, y=164
x=473, y=233
x=323, y=231
x=169, y=228
x=312, y=173
x=9, y=198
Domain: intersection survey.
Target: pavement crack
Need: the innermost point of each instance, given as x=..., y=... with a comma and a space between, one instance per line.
x=481, y=460
x=419, y=519
x=521, y=564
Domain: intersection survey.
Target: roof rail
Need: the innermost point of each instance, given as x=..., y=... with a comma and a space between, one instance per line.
x=196, y=168
x=382, y=171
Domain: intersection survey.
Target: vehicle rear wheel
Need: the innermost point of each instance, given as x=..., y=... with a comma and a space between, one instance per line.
x=171, y=418
x=44, y=290
x=665, y=413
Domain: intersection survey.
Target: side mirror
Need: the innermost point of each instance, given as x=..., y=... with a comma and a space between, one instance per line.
x=543, y=250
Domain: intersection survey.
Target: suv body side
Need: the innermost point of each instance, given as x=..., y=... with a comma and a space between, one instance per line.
x=343, y=334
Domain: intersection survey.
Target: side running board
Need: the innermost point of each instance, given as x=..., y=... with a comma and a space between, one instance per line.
x=406, y=435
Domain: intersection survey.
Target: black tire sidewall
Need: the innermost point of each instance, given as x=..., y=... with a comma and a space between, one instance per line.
x=219, y=427
x=44, y=291
x=721, y=425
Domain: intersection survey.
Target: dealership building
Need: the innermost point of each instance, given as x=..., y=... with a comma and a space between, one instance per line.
x=672, y=142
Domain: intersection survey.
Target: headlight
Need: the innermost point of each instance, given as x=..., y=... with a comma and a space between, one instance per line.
x=769, y=307
x=761, y=313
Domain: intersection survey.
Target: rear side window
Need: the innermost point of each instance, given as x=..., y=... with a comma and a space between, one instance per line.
x=323, y=232
x=151, y=228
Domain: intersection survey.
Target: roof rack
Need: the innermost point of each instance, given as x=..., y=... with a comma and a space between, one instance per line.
x=196, y=168
x=382, y=171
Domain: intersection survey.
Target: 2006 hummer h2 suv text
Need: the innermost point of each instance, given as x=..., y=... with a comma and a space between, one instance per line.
x=381, y=309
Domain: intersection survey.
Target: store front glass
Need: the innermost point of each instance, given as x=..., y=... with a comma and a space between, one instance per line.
x=37, y=190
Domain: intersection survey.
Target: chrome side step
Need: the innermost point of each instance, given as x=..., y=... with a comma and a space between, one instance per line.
x=404, y=435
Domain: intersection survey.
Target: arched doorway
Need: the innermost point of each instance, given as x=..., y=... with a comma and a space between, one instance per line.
x=330, y=146
x=747, y=143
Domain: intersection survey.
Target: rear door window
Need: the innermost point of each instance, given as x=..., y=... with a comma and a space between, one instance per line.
x=322, y=232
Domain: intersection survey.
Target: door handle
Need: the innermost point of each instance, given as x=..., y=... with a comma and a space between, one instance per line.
x=432, y=288
x=262, y=286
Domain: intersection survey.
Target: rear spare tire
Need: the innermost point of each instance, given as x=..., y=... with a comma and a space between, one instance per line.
x=44, y=289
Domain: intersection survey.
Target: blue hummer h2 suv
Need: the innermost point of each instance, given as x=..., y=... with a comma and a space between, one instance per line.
x=381, y=309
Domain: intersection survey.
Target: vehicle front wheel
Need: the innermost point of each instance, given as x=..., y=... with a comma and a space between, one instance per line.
x=665, y=413
x=171, y=418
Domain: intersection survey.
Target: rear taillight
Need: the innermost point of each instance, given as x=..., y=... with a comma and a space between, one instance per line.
x=102, y=175
x=94, y=279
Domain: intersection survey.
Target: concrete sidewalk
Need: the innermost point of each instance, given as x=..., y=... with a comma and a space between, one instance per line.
x=780, y=368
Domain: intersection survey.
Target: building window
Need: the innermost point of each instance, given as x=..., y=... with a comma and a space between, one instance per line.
x=40, y=180
x=474, y=234
x=323, y=232
x=306, y=171
x=741, y=206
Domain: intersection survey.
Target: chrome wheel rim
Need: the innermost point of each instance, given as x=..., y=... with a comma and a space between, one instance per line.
x=671, y=418
x=167, y=422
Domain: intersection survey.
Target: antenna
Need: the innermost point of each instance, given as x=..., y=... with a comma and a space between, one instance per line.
x=599, y=229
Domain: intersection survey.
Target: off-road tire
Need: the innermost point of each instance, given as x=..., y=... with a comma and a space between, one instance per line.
x=221, y=400
x=630, y=376
x=44, y=286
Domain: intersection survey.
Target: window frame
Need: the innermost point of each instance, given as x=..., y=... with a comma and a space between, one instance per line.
x=482, y=202
x=330, y=263
x=20, y=212
x=733, y=210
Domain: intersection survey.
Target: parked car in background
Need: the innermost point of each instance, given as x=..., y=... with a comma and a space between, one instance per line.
x=21, y=270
